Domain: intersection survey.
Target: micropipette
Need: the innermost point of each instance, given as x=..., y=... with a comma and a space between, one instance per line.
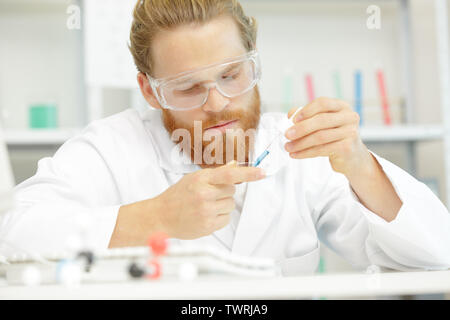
x=266, y=150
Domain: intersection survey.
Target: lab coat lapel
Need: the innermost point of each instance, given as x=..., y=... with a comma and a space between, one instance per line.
x=263, y=200
x=172, y=163
x=260, y=207
x=168, y=153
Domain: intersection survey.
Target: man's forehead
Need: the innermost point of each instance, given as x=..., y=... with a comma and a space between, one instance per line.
x=189, y=47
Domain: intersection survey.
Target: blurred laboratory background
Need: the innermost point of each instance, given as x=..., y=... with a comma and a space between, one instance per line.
x=66, y=63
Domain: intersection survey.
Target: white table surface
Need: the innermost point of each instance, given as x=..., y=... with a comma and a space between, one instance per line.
x=315, y=286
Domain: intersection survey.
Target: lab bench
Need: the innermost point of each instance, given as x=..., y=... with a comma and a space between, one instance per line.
x=382, y=285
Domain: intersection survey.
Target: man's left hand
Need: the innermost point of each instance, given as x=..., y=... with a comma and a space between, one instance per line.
x=329, y=128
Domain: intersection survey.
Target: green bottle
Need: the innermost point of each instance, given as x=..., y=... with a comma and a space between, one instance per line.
x=43, y=116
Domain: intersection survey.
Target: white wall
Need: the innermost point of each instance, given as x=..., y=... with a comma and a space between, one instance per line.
x=426, y=84
x=39, y=62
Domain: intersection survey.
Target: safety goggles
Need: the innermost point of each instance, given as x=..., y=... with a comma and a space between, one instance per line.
x=190, y=90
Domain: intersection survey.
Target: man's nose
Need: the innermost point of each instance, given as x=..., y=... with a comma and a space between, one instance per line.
x=216, y=101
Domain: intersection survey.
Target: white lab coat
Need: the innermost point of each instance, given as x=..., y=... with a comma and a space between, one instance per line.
x=127, y=158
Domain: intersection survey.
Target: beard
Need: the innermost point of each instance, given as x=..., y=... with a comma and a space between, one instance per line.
x=235, y=144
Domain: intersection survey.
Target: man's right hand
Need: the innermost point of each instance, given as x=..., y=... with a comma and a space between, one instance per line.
x=201, y=202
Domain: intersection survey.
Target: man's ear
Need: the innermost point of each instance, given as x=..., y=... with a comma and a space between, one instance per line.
x=147, y=91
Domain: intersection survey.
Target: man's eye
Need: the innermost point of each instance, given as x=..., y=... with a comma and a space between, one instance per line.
x=190, y=90
x=233, y=75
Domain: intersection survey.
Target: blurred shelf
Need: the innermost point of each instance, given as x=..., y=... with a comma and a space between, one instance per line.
x=373, y=134
x=39, y=137
x=402, y=133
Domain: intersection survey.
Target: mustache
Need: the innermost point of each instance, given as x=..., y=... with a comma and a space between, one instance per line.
x=212, y=121
x=223, y=117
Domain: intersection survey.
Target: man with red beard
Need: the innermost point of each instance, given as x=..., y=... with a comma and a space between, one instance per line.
x=132, y=174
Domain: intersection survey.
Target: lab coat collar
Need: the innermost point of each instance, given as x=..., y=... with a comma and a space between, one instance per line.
x=168, y=153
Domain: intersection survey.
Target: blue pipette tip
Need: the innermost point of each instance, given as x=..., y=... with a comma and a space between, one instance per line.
x=261, y=158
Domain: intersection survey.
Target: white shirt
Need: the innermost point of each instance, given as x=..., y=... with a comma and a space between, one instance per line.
x=127, y=158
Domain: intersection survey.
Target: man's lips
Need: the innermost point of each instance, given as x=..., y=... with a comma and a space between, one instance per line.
x=222, y=124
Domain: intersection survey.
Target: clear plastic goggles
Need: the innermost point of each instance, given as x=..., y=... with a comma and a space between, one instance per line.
x=190, y=90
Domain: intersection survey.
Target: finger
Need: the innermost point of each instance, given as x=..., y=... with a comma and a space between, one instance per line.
x=320, y=122
x=326, y=150
x=235, y=175
x=222, y=221
x=320, y=105
x=224, y=206
x=293, y=111
x=224, y=190
x=321, y=137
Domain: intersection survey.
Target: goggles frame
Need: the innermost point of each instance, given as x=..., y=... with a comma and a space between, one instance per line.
x=157, y=83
